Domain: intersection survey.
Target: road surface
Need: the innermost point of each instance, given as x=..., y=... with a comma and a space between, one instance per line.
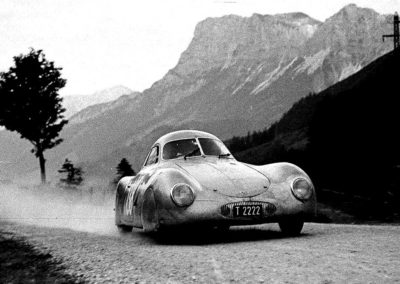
x=324, y=253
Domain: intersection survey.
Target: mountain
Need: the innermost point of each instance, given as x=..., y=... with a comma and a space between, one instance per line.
x=346, y=138
x=74, y=104
x=238, y=74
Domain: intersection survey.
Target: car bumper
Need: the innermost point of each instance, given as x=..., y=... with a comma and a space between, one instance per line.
x=210, y=212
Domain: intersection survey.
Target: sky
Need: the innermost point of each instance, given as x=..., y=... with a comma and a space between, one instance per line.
x=103, y=43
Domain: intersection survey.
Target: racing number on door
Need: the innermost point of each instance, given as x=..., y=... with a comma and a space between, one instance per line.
x=130, y=194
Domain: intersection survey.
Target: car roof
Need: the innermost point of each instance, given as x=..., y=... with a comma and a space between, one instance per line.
x=183, y=134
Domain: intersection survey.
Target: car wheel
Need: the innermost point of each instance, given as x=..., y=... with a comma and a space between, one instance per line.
x=291, y=226
x=125, y=228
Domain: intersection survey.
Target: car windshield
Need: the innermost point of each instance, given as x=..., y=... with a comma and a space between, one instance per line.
x=175, y=149
x=213, y=147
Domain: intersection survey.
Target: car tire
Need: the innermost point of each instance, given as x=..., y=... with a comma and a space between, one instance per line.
x=291, y=226
x=125, y=228
x=222, y=228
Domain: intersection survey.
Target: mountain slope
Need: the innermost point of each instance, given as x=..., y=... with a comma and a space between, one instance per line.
x=243, y=73
x=346, y=138
x=15, y=155
x=237, y=74
x=74, y=104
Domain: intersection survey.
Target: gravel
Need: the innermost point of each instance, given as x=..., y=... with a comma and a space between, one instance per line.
x=324, y=253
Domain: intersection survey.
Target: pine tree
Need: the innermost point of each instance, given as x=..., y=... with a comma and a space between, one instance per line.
x=30, y=103
x=73, y=176
x=124, y=169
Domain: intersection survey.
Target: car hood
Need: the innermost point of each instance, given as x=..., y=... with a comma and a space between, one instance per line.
x=227, y=177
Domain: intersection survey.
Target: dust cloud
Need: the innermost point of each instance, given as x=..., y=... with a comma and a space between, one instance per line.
x=87, y=210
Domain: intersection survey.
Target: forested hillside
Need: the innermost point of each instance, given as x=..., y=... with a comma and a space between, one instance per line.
x=346, y=139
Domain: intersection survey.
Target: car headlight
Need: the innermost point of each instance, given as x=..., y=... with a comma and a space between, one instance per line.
x=302, y=189
x=182, y=194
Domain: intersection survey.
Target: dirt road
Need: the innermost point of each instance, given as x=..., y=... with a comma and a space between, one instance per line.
x=260, y=254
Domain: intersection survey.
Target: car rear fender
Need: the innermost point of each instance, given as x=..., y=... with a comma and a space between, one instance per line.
x=121, y=198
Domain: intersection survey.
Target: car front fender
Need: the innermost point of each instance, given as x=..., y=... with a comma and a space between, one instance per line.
x=282, y=176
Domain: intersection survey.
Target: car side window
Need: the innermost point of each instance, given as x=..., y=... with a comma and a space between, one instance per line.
x=153, y=156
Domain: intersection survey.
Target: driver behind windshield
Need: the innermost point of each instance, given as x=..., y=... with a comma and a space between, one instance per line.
x=180, y=148
x=190, y=147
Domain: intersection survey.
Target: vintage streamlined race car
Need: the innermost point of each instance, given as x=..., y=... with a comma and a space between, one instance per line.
x=190, y=178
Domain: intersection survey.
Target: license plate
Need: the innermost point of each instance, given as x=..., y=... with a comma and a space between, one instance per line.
x=247, y=210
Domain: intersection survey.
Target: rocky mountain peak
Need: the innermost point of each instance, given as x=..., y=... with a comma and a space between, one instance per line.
x=355, y=32
x=352, y=13
x=350, y=8
x=225, y=41
x=298, y=18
